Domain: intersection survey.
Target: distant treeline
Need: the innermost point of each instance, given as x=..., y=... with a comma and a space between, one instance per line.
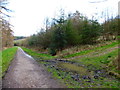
x=71, y=30
x=18, y=37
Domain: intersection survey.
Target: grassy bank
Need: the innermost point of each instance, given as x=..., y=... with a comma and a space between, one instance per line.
x=113, y=44
x=38, y=55
x=83, y=72
x=7, y=57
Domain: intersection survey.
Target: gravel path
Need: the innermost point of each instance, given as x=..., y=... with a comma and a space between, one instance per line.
x=25, y=72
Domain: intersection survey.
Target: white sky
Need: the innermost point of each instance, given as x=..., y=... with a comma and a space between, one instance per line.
x=29, y=15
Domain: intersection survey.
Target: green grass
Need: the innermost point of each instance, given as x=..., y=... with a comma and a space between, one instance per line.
x=118, y=36
x=98, y=61
x=91, y=50
x=38, y=55
x=0, y=64
x=64, y=71
x=65, y=77
x=73, y=67
x=7, y=57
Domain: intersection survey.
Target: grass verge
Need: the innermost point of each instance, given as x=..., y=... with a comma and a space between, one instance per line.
x=38, y=55
x=7, y=57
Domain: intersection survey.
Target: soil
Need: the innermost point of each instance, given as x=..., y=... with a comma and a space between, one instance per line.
x=25, y=72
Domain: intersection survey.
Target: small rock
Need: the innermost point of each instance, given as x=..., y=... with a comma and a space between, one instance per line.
x=57, y=69
x=88, y=81
x=84, y=77
x=58, y=74
x=96, y=77
x=75, y=77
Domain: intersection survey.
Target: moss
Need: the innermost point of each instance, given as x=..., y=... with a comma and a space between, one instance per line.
x=73, y=68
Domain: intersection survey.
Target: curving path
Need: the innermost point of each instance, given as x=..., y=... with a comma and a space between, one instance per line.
x=25, y=72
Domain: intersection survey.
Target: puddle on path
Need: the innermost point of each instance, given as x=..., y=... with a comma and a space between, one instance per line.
x=26, y=53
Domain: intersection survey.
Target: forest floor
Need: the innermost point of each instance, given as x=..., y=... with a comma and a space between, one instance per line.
x=25, y=72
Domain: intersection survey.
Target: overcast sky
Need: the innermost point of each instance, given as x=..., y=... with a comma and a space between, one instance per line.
x=29, y=15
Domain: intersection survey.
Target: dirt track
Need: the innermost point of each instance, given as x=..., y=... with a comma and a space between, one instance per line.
x=25, y=72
